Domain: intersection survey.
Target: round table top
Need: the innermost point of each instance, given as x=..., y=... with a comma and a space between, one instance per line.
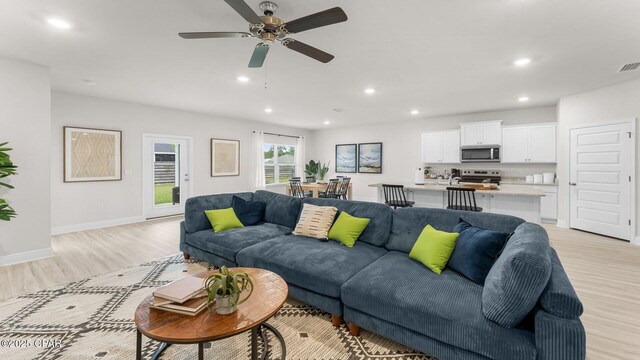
x=269, y=294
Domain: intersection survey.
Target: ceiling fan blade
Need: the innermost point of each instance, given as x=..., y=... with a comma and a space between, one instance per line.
x=259, y=54
x=213, y=35
x=308, y=50
x=245, y=11
x=323, y=18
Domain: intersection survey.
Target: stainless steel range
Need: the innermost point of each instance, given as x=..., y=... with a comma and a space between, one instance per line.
x=477, y=176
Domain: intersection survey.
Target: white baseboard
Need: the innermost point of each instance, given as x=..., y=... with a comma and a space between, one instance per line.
x=636, y=241
x=26, y=256
x=95, y=225
x=562, y=224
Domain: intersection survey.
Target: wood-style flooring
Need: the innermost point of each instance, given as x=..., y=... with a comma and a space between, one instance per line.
x=604, y=271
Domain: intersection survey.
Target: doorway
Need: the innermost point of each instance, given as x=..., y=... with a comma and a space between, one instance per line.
x=166, y=174
x=602, y=179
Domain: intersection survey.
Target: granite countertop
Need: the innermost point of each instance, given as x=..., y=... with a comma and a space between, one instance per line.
x=443, y=188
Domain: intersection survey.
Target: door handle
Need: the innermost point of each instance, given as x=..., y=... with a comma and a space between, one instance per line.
x=572, y=184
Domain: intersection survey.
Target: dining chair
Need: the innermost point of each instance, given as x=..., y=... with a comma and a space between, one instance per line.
x=343, y=188
x=311, y=179
x=331, y=191
x=395, y=197
x=462, y=199
x=296, y=188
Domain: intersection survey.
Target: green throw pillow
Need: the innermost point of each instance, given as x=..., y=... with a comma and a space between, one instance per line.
x=347, y=229
x=434, y=248
x=223, y=219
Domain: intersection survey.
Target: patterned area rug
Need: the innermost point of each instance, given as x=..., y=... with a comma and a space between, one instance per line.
x=93, y=319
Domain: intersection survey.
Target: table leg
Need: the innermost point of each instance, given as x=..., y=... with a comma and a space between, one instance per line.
x=159, y=351
x=314, y=193
x=138, y=345
x=279, y=337
x=254, y=343
x=201, y=351
x=350, y=193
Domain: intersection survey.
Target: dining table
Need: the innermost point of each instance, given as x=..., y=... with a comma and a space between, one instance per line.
x=316, y=188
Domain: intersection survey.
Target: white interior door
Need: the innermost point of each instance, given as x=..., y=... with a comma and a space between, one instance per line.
x=166, y=177
x=601, y=187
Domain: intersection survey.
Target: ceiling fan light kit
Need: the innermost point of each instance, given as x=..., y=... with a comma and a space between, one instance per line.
x=270, y=29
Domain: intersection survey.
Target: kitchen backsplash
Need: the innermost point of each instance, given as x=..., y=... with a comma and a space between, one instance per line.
x=508, y=170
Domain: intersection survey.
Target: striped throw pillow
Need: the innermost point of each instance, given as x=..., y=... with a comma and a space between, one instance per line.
x=315, y=221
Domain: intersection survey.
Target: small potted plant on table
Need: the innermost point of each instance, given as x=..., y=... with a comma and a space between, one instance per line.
x=486, y=183
x=224, y=288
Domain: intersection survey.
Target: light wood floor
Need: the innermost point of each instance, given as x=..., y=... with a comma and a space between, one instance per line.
x=605, y=273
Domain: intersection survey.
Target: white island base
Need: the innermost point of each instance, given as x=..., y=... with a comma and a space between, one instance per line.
x=524, y=204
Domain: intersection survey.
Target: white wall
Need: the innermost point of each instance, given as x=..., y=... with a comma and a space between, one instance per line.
x=96, y=203
x=618, y=102
x=401, y=148
x=25, y=121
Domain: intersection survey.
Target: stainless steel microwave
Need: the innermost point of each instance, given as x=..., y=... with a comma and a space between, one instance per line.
x=480, y=153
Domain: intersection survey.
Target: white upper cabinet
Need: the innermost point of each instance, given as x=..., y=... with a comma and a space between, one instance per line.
x=481, y=133
x=441, y=147
x=529, y=144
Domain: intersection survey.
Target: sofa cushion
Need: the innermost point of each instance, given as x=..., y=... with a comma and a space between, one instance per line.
x=226, y=244
x=281, y=209
x=249, y=212
x=223, y=219
x=559, y=298
x=445, y=307
x=377, y=232
x=315, y=221
x=516, y=280
x=194, y=217
x=476, y=251
x=347, y=229
x=321, y=267
x=434, y=248
x=409, y=222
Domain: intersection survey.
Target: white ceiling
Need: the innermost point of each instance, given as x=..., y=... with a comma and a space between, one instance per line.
x=439, y=56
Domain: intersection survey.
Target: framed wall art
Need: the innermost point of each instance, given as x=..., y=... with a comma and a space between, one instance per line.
x=346, y=158
x=92, y=154
x=225, y=157
x=370, y=158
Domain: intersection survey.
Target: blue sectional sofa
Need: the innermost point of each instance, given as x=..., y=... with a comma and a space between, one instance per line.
x=376, y=286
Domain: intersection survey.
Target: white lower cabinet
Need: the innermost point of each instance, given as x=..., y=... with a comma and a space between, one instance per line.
x=430, y=199
x=548, y=203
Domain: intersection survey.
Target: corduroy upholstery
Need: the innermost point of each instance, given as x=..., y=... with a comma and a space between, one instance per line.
x=558, y=338
x=227, y=243
x=446, y=315
x=380, y=216
x=559, y=298
x=445, y=307
x=409, y=222
x=516, y=280
x=322, y=267
x=194, y=218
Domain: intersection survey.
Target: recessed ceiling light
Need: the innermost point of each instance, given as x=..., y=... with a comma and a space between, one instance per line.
x=59, y=23
x=415, y=112
x=523, y=98
x=522, y=62
x=327, y=122
x=268, y=110
x=243, y=79
x=369, y=91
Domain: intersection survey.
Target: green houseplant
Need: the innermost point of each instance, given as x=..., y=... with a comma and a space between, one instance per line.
x=225, y=287
x=7, y=168
x=317, y=169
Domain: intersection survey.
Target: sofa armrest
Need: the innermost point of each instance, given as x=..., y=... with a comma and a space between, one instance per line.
x=559, y=338
x=183, y=237
x=559, y=297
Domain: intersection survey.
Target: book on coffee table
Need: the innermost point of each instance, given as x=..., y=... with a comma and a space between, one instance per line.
x=181, y=290
x=190, y=307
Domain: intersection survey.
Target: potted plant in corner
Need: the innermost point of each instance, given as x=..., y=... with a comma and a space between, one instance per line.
x=7, y=168
x=225, y=287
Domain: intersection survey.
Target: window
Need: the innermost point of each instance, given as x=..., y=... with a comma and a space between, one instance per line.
x=279, y=163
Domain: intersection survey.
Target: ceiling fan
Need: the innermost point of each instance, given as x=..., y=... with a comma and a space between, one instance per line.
x=269, y=28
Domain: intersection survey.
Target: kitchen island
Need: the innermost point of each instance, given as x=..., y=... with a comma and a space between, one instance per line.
x=523, y=203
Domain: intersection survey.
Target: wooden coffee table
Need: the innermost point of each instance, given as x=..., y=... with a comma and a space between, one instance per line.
x=269, y=294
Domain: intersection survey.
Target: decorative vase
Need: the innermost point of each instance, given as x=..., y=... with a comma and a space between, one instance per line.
x=224, y=305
